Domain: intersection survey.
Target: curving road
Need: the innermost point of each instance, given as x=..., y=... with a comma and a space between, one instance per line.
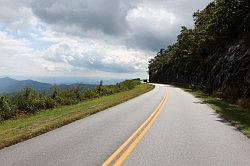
x=178, y=130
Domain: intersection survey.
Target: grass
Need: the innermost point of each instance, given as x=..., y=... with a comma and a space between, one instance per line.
x=27, y=126
x=237, y=116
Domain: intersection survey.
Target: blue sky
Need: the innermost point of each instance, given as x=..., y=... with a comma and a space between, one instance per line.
x=91, y=38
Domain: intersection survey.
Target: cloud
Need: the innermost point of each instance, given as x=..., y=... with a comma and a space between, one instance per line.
x=151, y=28
x=79, y=37
x=17, y=15
x=98, y=15
x=16, y=56
x=144, y=24
x=97, y=56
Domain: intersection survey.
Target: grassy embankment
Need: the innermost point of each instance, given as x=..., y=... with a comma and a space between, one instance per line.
x=27, y=126
x=237, y=116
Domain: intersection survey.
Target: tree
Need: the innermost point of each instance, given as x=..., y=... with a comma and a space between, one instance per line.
x=101, y=83
x=5, y=110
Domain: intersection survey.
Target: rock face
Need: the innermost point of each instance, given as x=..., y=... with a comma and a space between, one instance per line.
x=226, y=69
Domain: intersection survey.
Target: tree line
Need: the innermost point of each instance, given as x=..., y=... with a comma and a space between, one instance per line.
x=30, y=101
x=196, y=58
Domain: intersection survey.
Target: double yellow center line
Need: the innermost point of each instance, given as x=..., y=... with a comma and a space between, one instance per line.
x=131, y=142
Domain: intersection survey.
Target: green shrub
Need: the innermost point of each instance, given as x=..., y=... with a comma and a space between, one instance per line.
x=244, y=103
x=218, y=94
x=91, y=93
x=30, y=101
x=5, y=110
x=230, y=94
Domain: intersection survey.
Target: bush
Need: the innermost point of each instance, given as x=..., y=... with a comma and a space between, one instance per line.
x=49, y=103
x=5, y=110
x=30, y=101
x=244, y=103
x=27, y=100
x=230, y=94
x=91, y=93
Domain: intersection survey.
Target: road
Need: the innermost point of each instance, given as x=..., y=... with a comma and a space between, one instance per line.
x=178, y=130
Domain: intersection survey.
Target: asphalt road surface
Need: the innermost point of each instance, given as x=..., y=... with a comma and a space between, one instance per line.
x=156, y=128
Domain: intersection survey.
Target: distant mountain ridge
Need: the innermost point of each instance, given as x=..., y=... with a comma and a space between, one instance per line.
x=70, y=79
x=9, y=85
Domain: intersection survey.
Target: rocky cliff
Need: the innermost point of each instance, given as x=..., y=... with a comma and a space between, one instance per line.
x=226, y=69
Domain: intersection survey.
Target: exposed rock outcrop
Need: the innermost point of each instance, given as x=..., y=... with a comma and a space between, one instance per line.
x=228, y=67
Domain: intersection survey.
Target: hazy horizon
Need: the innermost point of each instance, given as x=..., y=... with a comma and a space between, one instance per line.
x=66, y=79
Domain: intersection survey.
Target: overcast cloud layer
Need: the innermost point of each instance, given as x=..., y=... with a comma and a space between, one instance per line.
x=88, y=37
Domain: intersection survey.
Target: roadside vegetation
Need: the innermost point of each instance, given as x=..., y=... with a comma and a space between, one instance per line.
x=28, y=125
x=236, y=115
x=30, y=101
x=213, y=56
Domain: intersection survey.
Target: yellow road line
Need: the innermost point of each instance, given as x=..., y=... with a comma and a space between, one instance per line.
x=137, y=140
x=150, y=118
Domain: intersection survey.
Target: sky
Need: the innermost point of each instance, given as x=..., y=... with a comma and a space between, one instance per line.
x=90, y=38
